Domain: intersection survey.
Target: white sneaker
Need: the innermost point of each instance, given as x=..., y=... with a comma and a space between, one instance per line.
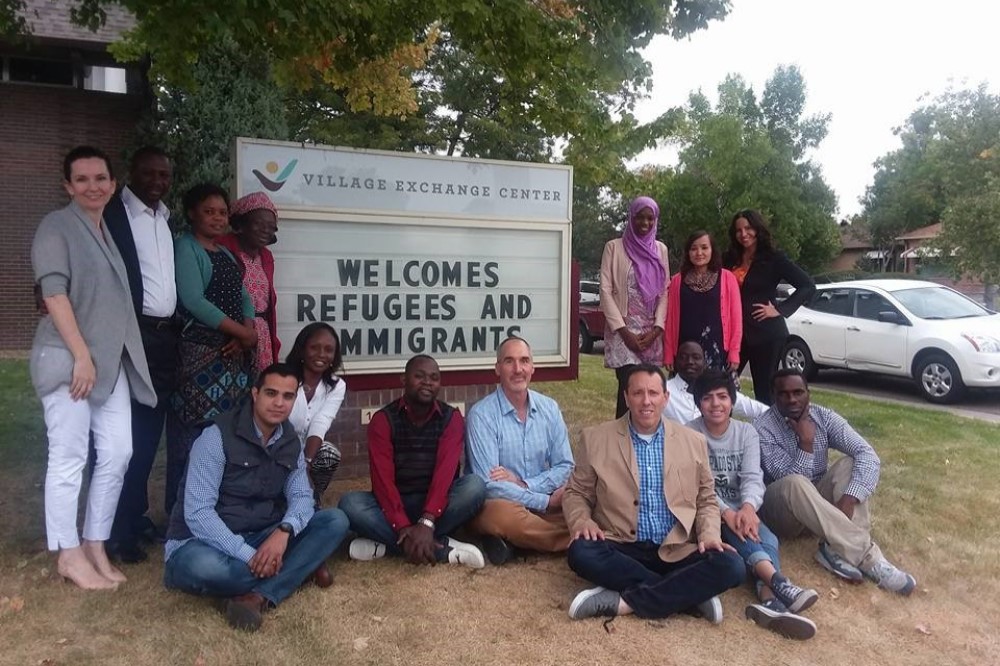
x=711, y=610
x=366, y=550
x=464, y=553
x=890, y=577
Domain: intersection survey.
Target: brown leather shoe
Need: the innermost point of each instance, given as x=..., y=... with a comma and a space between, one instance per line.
x=244, y=612
x=322, y=576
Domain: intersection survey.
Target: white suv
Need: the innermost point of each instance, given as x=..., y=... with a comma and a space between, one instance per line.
x=942, y=339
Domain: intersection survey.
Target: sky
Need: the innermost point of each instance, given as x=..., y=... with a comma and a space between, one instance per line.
x=867, y=62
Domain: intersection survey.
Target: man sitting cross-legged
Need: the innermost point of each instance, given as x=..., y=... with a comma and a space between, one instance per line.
x=642, y=509
x=243, y=526
x=417, y=499
x=803, y=494
x=734, y=454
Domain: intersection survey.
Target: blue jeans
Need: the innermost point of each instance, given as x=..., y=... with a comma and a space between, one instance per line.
x=753, y=552
x=465, y=499
x=652, y=587
x=198, y=568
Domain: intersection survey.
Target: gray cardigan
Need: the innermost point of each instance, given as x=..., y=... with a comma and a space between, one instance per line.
x=70, y=256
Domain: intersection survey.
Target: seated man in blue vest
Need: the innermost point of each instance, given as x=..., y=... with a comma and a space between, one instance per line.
x=244, y=527
x=417, y=498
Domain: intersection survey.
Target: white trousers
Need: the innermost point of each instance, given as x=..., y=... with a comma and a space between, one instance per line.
x=69, y=423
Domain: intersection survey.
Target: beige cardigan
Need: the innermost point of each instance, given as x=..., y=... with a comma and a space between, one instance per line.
x=615, y=265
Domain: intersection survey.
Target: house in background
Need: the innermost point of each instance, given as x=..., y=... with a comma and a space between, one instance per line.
x=857, y=251
x=918, y=258
x=59, y=88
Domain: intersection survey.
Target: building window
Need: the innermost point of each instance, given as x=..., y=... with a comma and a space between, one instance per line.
x=49, y=72
x=105, y=79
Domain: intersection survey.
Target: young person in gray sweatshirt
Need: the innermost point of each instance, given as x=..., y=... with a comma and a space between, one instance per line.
x=734, y=456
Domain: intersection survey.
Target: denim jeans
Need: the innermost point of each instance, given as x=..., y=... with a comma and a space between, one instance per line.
x=753, y=552
x=465, y=499
x=652, y=587
x=198, y=568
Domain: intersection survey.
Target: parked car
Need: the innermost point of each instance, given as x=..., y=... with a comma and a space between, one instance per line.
x=591, y=317
x=912, y=328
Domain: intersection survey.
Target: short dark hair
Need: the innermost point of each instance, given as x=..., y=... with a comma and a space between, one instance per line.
x=414, y=359
x=144, y=152
x=709, y=381
x=296, y=357
x=647, y=368
x=714, y=264
x=765, y=245
x=83, y=153
x=199, y=193
x=280, y=369
x=788, y=372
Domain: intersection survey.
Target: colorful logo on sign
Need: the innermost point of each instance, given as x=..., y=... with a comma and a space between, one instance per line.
x=275, y=181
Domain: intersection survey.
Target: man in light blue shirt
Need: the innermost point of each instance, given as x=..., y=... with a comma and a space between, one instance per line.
x=517, y=442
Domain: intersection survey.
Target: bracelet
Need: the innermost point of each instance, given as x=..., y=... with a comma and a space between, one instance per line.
x=426, y=522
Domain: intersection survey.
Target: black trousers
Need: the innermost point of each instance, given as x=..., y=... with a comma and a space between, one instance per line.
x=763, y=359
x=159, y=340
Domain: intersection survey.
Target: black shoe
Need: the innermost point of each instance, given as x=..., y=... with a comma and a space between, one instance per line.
x=127, y=552
x=497, y=550
x=773, y=615
x=147, y=531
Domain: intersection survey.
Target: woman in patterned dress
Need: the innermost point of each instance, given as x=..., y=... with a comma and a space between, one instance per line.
x=254, y=221
x=634, y=272
x=704, y=306
x=219, y=335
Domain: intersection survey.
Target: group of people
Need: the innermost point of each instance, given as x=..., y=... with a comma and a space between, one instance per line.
x=140, y=330
x=662, y=510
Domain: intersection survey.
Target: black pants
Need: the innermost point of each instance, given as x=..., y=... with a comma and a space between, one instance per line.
x=763, y=359
x=622, y=375
x=159, y=340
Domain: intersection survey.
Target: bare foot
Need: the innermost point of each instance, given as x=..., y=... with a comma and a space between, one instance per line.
x=94, y=550
x=74, y=566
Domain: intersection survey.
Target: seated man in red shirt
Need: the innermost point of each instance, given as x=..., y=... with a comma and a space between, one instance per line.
x=417, y=498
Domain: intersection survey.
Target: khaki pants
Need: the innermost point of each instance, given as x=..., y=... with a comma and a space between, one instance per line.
x=793, y=505
x=521, y=527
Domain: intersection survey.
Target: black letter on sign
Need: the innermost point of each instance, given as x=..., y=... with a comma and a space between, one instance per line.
x=328, y=307
x=349, y=269
x=489, y=308
x=523, y=306
x=492, y=277
x=351, y=341
x=438, y=338
x=305, y=308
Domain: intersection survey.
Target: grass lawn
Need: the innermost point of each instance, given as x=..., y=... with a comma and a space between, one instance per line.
x=937, y=514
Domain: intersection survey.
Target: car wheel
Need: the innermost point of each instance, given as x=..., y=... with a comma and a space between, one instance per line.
x=939, y=379
x=797, y=356
x=586, y=342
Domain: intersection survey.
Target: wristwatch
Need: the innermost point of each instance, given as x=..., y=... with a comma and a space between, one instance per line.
x=426, y=522
x=287, y=528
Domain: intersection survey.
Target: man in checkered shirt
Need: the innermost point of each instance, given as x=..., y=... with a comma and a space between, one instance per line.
x=804, y=493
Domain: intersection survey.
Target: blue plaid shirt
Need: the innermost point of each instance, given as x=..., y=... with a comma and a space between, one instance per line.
x=655, y=519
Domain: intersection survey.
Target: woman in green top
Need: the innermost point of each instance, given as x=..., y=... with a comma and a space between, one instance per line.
x=218, y=336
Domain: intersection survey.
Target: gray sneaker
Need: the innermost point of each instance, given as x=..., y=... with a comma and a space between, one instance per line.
x=791, y=595
x=711, y=610
x=773, y=616
x=837, y=565
x=889, y=577
x=595, y=602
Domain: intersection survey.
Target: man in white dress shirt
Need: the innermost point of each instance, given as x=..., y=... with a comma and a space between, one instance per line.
x=690, y=364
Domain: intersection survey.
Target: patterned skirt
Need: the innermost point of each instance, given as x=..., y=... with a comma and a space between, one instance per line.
x=208, y=383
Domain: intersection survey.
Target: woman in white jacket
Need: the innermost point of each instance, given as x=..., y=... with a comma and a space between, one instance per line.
x=316, y=356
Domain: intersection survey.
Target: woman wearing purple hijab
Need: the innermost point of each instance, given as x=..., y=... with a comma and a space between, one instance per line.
x=634, y=272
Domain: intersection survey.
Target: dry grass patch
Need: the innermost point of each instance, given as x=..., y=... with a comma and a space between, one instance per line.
x=936, y=514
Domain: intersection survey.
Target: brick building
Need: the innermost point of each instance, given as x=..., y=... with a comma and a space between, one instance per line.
x=58, y=89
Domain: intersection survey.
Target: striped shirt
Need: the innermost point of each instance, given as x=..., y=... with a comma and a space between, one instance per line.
x=655, y=518
x=537, y=451
x=780, y=454
x=201, y=493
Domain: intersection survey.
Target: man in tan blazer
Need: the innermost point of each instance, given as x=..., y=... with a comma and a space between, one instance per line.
x=642, y=510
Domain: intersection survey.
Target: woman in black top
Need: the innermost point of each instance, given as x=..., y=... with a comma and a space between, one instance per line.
x=759, y=267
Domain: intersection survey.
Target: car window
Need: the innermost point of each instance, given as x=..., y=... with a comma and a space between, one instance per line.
x=939, y=303
x=832, y=301
x=867, y=304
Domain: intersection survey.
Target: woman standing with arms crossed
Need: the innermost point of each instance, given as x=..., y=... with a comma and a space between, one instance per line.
x=87, y=361
x=634, y=270
x=254, y=221
x=759, y=267
x=704, y=306
x=218, y=335
x=316, y=356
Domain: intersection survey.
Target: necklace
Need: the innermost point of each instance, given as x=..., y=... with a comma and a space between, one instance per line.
x=701, y=281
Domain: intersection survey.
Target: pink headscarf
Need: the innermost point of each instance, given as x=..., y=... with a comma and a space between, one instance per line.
x=647, y=262
x=252, y=202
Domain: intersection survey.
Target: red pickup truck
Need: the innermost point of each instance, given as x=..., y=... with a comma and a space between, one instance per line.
x=591, y=317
